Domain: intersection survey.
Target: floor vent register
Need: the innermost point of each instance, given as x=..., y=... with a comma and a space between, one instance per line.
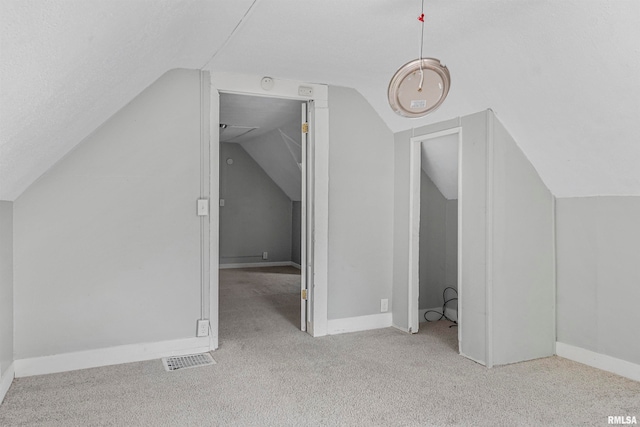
x=185, y=362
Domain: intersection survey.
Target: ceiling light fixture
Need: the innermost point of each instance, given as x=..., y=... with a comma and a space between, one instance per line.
x=420, y=86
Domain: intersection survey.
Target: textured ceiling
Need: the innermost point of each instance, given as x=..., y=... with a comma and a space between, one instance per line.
x=66, y=66
x=261, y=114
x=562, y=76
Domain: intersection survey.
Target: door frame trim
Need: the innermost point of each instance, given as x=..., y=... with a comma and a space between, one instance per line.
x=415, y=168
x=250, y=85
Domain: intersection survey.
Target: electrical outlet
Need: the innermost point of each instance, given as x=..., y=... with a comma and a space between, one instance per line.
x=384, y=305
x=203, y=328
x=203, y=207
x=265, y=255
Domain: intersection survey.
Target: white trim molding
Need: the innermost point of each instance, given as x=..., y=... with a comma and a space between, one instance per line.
x=244, y=84
x=260, y=264
x=109, y=356
x=360, y=323
x=415, y=169
x=600, y=361
x=5, y=381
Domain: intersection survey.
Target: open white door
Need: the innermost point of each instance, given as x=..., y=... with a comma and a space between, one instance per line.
x=306, y=223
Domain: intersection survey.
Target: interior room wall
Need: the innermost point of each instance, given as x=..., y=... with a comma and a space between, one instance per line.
x=451, y=246
x=107, y=242
x=523, y=256
x=438, y=245
x=296, y=223
x=598, y=252
x=257, y=214
x=360, y=206
x=6, y=287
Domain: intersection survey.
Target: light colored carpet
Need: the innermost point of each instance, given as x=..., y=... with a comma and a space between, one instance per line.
x=269, y=373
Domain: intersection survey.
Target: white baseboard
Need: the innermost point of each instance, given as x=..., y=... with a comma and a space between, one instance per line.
x=361, y=323
x=109, y=356
x=5, y=381
x=452, y=313
x=260, y=264
x=600, y=361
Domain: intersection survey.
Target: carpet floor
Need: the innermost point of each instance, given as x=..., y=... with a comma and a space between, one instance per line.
x=268, y=373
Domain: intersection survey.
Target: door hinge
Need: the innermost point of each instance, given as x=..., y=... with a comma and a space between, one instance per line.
x=303, y=294
x=305, y=128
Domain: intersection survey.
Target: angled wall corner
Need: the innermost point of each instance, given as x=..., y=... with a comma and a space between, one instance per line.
x=508, y=249
x=279, y=154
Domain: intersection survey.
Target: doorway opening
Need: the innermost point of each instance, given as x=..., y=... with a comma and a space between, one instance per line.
x=435, y=198
x=263, y=170
x=313, y=312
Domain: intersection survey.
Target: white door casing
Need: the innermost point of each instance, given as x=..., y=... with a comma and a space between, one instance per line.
x=415, y=168
x=318, y=205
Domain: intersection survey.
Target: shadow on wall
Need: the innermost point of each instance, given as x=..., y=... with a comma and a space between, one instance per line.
x=438, y=245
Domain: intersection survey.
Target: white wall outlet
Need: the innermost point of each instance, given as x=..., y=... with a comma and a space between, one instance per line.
x=222, y=203
x=384, y=305
x=203, y=328
x=203, y=207
x=265, y=255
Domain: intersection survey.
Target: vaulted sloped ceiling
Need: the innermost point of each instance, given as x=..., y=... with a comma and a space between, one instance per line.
x=561, y=75
x=66, y=66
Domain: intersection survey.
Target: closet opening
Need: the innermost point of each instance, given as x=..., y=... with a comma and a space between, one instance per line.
x=435, y=223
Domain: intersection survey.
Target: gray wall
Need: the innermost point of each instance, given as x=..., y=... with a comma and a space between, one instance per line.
x=523, y=285
x=438, y=245
x=6, y=286
x=598, y=250
x=107, y=243
x=508, y=266
x=256, y=216
x=472, y=303
x=451, y=246
x=296, y=222
x=360, y=206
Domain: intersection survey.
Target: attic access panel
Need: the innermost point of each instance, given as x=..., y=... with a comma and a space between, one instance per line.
x=419, y=87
